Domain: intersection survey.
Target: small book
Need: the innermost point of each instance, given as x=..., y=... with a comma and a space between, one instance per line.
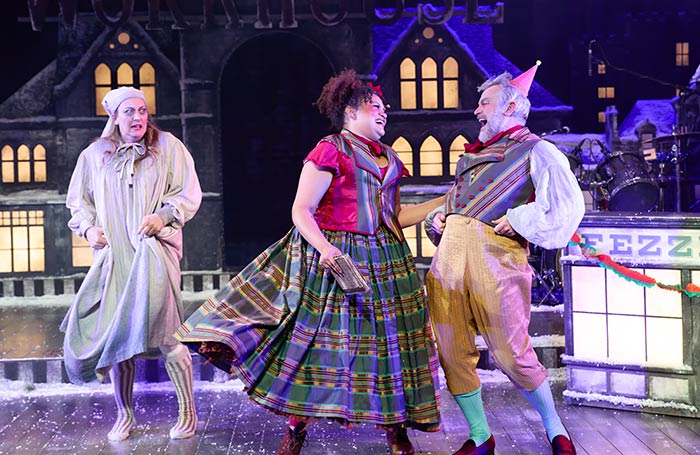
x=352, y=281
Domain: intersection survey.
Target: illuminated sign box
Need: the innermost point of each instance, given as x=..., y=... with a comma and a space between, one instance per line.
x=630, y=346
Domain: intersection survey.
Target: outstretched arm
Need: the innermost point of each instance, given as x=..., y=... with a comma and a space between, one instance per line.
x=409, y=215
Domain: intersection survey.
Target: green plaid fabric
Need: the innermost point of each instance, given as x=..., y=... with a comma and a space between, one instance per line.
x=303, y=347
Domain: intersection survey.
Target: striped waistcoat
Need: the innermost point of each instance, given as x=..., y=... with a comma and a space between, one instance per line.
x=495, y=179
x=374, y=198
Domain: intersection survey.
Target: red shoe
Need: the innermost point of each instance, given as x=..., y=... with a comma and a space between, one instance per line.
x=561, y=445
x=470, y=448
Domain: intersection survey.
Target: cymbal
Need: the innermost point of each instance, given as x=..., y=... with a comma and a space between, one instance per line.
x=673, y=137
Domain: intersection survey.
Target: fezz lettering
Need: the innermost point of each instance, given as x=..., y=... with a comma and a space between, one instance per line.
x=645, y=245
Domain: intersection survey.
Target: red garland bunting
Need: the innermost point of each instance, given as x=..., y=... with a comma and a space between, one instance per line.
x=641, y=279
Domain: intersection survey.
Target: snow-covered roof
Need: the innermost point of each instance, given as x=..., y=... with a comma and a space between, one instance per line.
x=477, y=42
x=658, y=112
x=33, y=98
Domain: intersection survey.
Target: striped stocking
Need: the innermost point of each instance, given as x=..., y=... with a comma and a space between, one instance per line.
x=178, y=364
x=122, y=376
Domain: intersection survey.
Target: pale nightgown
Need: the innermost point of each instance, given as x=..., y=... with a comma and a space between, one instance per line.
x=130, y=301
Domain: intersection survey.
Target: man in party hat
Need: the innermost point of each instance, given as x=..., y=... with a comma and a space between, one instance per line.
x=510, y=188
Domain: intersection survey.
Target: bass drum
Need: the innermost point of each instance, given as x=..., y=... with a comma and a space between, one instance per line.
x=625, y=182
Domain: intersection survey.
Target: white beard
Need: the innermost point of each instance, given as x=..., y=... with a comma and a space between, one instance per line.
x=493, y=127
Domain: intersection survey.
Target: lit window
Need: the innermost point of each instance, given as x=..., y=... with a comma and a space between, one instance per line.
x=408, y=84
x=682, y=54
x=601, y=68
x=103, y=84
x=606, y=92
x=601, y=117
x=439, y=84
x=430, y=157
x=7, y=155
x=125, y=75
x=405, y=152
x=410, y=233
x=82, y=253
x=25, y=166
x=123, y=38
x=418, y=241
x=429, y=84
x=106, y=80
x=456, y=149
x=147, y=84
x=450, y=83
x=22, y=241
x=39, y=156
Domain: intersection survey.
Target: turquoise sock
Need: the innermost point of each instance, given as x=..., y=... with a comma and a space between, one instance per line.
x=473, y=409
x=541, y=399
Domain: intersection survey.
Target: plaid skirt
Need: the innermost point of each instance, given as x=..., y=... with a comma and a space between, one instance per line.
x=303, y=348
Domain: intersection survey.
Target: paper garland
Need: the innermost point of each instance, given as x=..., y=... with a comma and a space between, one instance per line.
x=628, y=274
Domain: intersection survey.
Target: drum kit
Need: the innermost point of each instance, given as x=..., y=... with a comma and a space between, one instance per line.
x=660, y=178
x=657, y=179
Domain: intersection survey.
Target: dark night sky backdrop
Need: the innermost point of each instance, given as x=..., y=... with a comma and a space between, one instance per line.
x=553, y=31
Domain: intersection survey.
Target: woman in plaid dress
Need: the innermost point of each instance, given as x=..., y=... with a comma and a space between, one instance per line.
x=304, y=348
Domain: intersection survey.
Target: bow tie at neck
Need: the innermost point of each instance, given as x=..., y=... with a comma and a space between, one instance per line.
x=373, y=146
x=125, y=158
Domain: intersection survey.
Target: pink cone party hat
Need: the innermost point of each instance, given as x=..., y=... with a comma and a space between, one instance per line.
x=524, y=81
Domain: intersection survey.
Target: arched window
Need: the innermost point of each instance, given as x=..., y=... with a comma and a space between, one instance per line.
x=147, y=84
x=450, y=83
x=125, y=75
x=456, y=149
x=429, y=84
x=405, y=152
x=22, y=241
x=430, y=157
x=103, y=84
x=39, y=157
x=24, y=164
x=438, y=84
x=408, y=84
x=106, y=80
x=7, y=155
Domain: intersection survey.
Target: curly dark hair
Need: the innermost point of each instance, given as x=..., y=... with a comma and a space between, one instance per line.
x=343, y=89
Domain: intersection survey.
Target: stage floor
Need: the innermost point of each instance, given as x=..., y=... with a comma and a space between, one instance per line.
x=66, y=419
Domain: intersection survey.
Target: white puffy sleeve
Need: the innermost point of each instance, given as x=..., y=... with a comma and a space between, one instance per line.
x=183, y=194
x=553, y=217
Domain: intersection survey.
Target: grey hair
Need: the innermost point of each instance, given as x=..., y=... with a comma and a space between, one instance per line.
x=509, y=94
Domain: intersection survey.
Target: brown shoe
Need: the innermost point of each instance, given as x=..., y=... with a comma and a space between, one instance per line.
x=397, y=437
x=470, y=447
x=561, y=445
x=293, y=441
